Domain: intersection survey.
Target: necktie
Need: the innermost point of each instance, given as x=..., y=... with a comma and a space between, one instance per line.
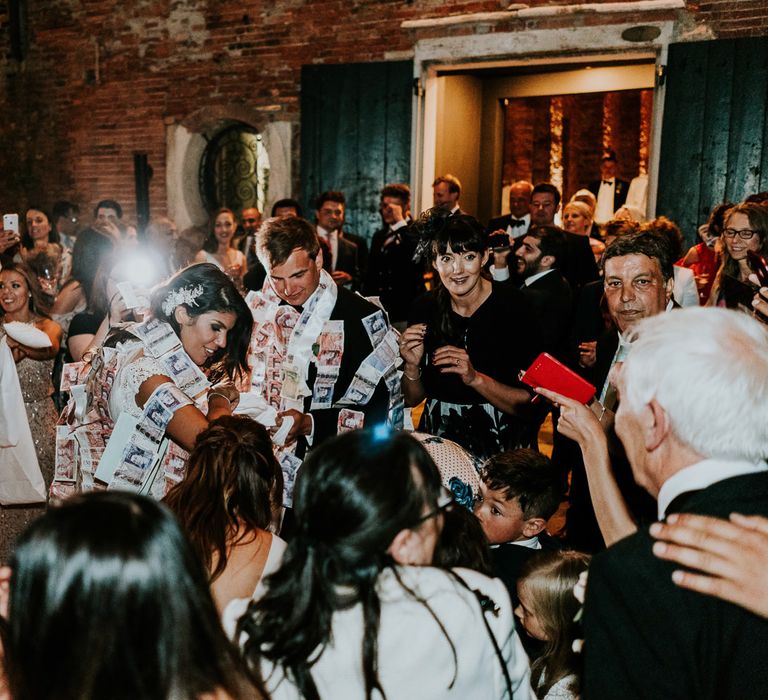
x=607, y=182
x=514, y=223
x=393, y=237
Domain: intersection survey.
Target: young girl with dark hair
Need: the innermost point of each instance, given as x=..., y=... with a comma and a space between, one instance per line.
x=227, y=503
x=356, y=610
x=107, y=601
x=547, y=610
x=465, y=344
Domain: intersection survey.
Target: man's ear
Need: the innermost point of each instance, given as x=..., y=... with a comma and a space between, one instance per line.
x=655, y=424
x=182, y=316
x=533, y=526
x=668, y=287
x=401, y=549
x=5, y=590
x=547, y=261
x=319, y=259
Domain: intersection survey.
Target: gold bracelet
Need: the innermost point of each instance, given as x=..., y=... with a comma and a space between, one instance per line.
x=412, y=379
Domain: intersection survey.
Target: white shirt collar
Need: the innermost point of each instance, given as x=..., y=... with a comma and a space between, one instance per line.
x=400, y=224
x=455, y=210
x=701, y=475
x=328, y=235
x=528, y=281
x=531, y=543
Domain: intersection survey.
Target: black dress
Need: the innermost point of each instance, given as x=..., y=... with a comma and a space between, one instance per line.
x=500, y=339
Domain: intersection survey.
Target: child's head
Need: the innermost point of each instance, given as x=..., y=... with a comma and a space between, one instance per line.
x=520, y=491
x=547, y=610
x=545, y=590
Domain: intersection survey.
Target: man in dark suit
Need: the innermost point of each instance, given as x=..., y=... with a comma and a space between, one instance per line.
x=610, y=191
x=345, y=264
x=517, y=222
x=446, y=191
x=577, y=265
x=545, y=288
x=638, y=281
x=691, y=420
x=393, y=275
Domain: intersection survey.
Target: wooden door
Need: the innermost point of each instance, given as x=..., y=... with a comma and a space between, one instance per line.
x=355, y=135
x=714, y=144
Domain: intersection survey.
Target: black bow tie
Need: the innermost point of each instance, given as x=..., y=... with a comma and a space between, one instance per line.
x=514, y=223
x=607, y=182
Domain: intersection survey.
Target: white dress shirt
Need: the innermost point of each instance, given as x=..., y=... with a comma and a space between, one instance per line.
x=604, y=207
x=332, y=239
x=701, y=475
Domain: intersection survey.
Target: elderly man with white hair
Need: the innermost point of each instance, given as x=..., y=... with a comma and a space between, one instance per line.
x=693, y=418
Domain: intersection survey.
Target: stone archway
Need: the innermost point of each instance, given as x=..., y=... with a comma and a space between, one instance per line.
x=185, y=144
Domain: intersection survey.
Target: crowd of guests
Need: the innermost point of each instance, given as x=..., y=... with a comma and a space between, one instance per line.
x=308, y=546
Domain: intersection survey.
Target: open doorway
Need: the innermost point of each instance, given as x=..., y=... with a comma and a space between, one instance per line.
x=540, y=122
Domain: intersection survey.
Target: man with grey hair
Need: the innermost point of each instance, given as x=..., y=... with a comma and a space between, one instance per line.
x=694, y=423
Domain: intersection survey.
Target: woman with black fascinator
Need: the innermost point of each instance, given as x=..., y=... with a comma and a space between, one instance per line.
x=465, y=344
x=107, y=601
x=356, y=609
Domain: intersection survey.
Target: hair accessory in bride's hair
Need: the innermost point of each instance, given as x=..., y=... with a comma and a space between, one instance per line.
x=182, y=295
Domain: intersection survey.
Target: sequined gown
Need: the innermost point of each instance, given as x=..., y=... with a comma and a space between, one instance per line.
x=36, y=388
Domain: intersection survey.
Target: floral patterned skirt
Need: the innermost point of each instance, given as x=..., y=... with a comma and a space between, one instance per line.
x=482, y=429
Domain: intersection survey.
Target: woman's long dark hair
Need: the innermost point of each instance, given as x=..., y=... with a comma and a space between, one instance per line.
x=109, y=602
x=38, y=303
x=219, y=294
x=462, y=234
x=90, y=255
x=211, y=244
x=757, y=214
x=354, y=494
x=233, y=481
x=26, y=237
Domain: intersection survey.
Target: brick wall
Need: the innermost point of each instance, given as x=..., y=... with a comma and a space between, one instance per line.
x=103, y=79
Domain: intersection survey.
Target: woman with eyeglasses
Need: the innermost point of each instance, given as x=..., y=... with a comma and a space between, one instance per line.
x=356, y=610
x=746, y=229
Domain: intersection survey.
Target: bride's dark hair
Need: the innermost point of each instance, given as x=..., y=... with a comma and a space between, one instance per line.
x=218, y=294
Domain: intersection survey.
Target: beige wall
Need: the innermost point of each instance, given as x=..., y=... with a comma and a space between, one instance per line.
x=457, y=139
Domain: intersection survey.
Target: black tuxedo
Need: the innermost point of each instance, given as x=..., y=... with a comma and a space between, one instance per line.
x=578, y=266
x=647, y=638
x=501, y=222
x=392, y=274
x=362, y=251
x=583, y=532
x=550, y=299
x=620, y=191
x=350, y=308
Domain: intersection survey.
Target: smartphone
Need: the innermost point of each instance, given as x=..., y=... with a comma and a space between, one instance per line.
x=11, y=222
x=759, y=265
x=737, y=292
x=549, y=373
x=498, y=241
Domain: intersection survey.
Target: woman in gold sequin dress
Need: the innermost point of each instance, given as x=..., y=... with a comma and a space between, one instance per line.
x=21, y=300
